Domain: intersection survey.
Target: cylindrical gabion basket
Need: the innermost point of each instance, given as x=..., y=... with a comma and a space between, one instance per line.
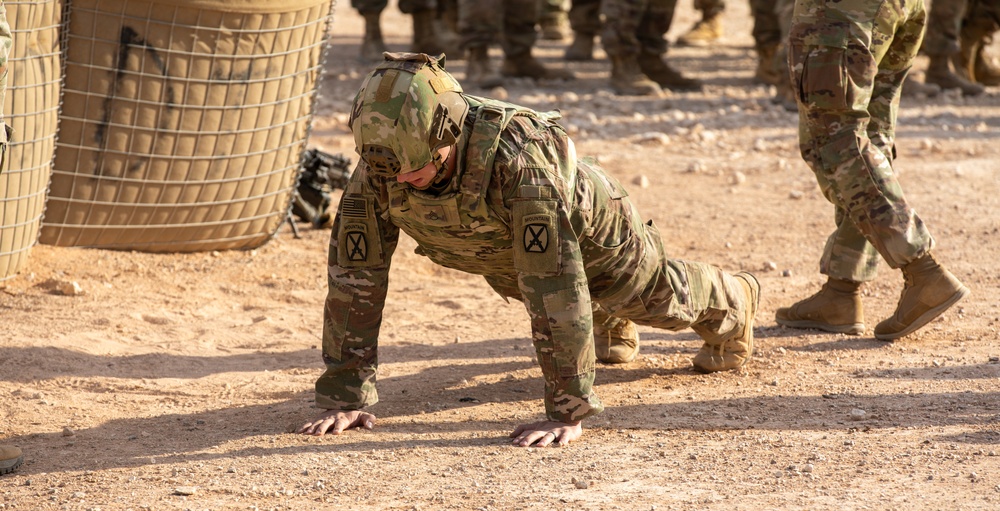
x=31, y=107
x=183, y=121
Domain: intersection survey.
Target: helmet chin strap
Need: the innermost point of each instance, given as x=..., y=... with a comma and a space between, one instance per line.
x=441, y=164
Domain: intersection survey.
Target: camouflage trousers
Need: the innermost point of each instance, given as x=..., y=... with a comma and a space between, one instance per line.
x=508, y=22
x=406, y=6
x=848, y=60
x=944, y=21
x=682, y=294
x=634, y=26
x=710, y=8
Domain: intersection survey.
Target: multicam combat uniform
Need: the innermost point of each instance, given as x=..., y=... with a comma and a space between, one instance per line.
x=542, y=227
x=633, y=27
x=848, y=60
x=405, y=6
x=482, y=23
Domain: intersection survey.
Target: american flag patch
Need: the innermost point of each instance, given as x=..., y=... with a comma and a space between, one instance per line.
x=354, y=208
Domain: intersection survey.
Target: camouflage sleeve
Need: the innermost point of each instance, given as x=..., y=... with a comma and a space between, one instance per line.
x=361, y=246
x=552, y=276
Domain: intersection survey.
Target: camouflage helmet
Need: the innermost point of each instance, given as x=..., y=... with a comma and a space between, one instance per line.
x=407, y=109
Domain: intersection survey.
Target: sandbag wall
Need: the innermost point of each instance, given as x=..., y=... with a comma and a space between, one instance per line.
x=183, y=121
x=31, y=107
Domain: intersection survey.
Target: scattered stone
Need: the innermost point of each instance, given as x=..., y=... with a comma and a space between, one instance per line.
x=68, y=432
x=769, y=266
x=795, y=195
x=641, y=181
x=185, y=490
x=696, y=167
x=581, y=484
x=786, y=273
x=652, y=138
x=858, y=414
x=807, y=468
x=737, y=178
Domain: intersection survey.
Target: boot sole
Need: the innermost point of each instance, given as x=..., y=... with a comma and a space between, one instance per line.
x=926, y=317
x=854, y=329
x=8, y=468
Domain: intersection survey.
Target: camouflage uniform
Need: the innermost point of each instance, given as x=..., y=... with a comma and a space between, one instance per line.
x=405, y=6
x=585, y=17
x=6, y=41
x=848, y=60
x=632, y=27
x=943, y=24
x=540, y=226
x=710, y=8
x=482, y=23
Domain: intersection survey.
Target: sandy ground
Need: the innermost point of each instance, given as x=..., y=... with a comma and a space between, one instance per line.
x=173, y=381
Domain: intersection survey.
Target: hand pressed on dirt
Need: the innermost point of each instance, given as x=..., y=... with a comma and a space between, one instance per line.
x=543, y=433
x=337, y=421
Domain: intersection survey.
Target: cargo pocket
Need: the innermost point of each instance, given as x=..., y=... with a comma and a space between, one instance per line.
x=337, y=313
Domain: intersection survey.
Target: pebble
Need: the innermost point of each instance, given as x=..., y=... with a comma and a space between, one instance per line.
x=769, y=266
x=807, y=468
x=651, y=137
x=786, y=273
x=737, y=178
x=185, y=490
x=581, y=484
x=858, y=414
x=641, y=181
x=795, y=195
x=68, y=432
x=69, y=288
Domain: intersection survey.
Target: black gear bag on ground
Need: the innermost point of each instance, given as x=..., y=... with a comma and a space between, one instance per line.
x=321, y=173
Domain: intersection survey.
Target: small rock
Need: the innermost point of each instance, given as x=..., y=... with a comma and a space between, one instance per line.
x=581, y=484
x=769, y=266
x=651, y=138
x=737, y=178
x=641, y=181
x=858, y=414
x=807, y=468
x=795, y=195
x=185, y=490
x=69, y=288
x=786, y=273
x=696, y=167
x=68, y=432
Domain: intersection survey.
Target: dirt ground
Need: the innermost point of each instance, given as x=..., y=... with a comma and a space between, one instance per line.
x=173, y=381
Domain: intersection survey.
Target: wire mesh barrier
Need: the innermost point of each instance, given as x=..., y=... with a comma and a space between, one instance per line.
x=183, y=121
x=31, y=107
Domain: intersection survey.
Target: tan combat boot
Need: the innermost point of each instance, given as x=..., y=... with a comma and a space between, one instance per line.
x=929, y=290
x=736, y=352
x=915, y=88
x=628, y=80
x=835, y=308
x=987, y=69
x=703, y=33
x=10, y=459
x=939, y=73
x=372, y=45
x=618, y=344
x=665, y=76
x=526, y=66
x=581, y=49
x=479, y=72
x=767, y=70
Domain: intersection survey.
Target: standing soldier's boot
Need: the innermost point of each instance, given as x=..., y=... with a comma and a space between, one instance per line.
x=653, y=66
x=929, y=290
x=703, y=33
x=425, y=38
x=736, y=352
x=835, y=308
x=479, y=71
x=372, y=45
x=10, y=459
x=628, y=80
x=987, y=69
x=582, y=47
x=526, y=66
x=939, y=73
x=617, y=343
x=767, y=72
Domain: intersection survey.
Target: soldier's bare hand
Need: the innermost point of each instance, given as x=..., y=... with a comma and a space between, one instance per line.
x=544, y=433
x=336, y=422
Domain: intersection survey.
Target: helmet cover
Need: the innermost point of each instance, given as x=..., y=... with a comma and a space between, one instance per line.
x=407, y=109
